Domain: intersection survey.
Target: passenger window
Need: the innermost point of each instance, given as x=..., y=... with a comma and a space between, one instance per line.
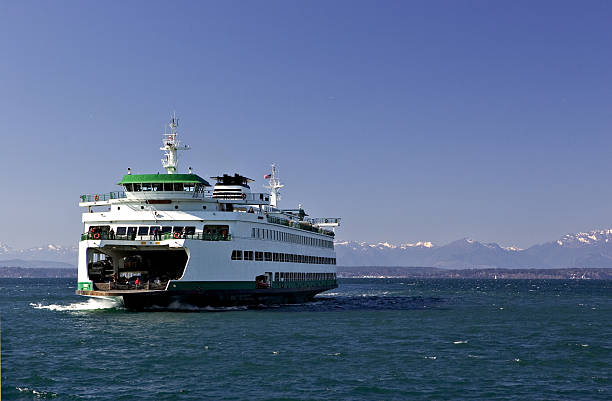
x=178, y=187
x=143, y=230
x=216, y=229
x=268, y=256
x=128, y=187
x=236, y=255
x=137, y=188
x=178, y=229
x=190, y=230
x=146, y=187
x=248, y=255
x=166, y=229
x=259, y=256
x=152, y=230
x=131, y=230
x=120, y=230
x=157, y=187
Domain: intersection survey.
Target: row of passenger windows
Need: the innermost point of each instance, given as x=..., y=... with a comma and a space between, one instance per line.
x=150, y=230
x=264, y=233
x=185, y=187
x=281, y=257
x=298, y=276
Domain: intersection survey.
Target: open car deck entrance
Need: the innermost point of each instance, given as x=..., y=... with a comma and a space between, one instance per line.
x=135, y=268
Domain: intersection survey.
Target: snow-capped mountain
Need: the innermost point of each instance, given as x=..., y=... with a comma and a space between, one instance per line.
x=44, y=255
x=585, y=249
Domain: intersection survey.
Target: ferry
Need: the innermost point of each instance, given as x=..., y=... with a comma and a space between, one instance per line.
x=173, y=239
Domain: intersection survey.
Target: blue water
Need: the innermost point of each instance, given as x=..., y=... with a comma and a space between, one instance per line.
x=367, y=340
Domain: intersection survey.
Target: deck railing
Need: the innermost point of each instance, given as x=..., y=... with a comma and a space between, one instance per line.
x=303, y=225
x=159, y=237
x=102, y=197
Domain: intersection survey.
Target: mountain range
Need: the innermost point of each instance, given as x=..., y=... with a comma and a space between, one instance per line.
x=585, y=249
x=591, y=249
x=55, y=256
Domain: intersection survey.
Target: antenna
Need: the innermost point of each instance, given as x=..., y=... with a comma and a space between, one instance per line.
x=274, y=186
x=171, y=145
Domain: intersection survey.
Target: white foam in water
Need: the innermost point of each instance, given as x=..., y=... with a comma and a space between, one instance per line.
x=179, y=306
x=90, y=304
x=460, y=342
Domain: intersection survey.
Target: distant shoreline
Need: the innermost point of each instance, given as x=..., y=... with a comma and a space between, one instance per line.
x=380, y=272
x=37, y=272
x=480, y=273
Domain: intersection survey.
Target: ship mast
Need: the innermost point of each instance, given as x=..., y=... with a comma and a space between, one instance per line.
x=274, y=186
x=171, y=145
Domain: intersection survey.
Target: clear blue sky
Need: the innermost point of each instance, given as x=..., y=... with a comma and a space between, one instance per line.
x=411, y=120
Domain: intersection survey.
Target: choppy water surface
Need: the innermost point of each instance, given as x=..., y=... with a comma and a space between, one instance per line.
x=368, y=339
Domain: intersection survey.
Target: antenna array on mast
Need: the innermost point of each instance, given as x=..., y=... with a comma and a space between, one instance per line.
x=171, y=145
x=274, y=186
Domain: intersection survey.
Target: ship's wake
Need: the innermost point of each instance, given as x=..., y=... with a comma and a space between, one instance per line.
x=90, y=304
x=178, y=306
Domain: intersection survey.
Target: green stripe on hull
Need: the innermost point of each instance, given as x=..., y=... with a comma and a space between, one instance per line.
x=304, y=284
x=210, y=285
x=246, y=285
x=85, y=286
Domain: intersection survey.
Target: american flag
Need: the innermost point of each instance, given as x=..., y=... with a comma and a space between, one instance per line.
x=267, y=176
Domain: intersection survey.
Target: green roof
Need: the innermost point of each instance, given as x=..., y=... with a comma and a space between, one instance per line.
x=165, y=178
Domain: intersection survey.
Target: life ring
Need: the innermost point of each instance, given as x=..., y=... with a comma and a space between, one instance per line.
x=243, y=196
x=177, y=235
x=96, y=235
x=96, y=198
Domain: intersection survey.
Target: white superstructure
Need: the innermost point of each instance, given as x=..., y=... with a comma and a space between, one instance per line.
x=171, y=236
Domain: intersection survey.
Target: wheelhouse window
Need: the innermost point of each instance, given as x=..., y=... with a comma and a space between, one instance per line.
x=137, y=188
x=129, y=187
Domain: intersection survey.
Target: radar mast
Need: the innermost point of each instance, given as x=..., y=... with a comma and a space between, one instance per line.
x=274, y=186
x=171, y=145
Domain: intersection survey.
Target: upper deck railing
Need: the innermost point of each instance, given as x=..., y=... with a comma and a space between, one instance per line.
x=325, y=221
x=103, y=197
x=303, y=225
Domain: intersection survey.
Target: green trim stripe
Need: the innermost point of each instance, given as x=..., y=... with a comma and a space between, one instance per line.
x=163, y=178
x=85, y=286
x=245, y=285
